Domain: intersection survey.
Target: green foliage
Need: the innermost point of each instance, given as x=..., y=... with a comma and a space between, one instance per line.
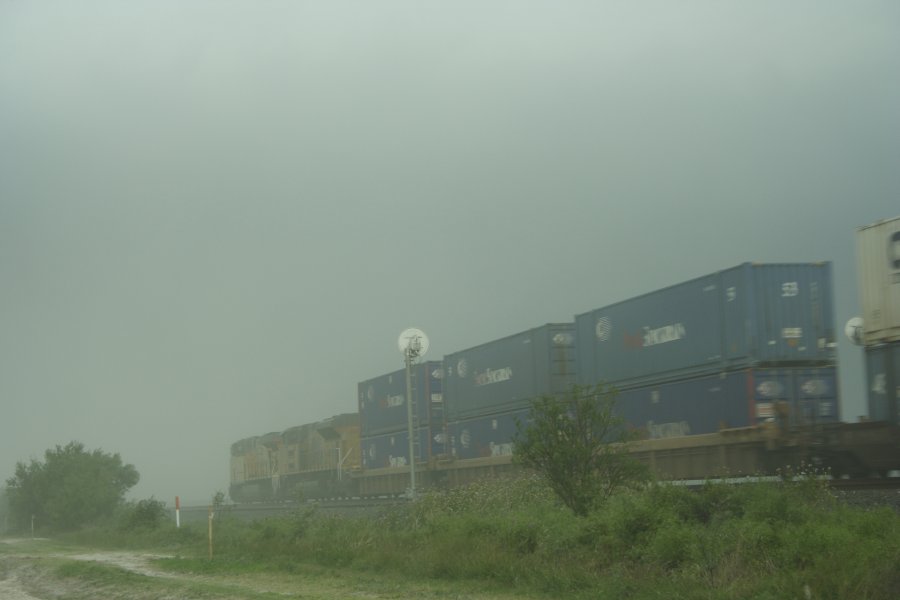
x=145, y=515
x=4, y=510
x=755, y=540
x=580, y=445
x=70, y=488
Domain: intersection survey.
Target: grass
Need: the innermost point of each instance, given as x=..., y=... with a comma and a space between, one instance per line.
x=765, y=540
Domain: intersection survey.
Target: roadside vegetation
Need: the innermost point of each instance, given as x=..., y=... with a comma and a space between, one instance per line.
x=757, y=540
x=540, y=535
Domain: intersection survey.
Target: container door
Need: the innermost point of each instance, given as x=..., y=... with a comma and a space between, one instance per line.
x=816, y=395
x=792, y=312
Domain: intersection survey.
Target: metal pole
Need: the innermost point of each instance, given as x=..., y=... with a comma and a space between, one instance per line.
x=409, y=423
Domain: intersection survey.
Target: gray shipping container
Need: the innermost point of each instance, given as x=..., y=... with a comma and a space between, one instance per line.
x=382, y=400
x=883, y=378
x=506, y=374
x=878, y=258
x=750, y=315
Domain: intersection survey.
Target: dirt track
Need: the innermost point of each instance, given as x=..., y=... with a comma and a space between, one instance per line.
x=29, y=571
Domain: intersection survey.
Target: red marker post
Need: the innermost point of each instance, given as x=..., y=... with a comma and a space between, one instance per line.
x=177, y=512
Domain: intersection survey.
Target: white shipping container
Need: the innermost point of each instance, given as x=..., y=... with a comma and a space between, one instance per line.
x=878, y=255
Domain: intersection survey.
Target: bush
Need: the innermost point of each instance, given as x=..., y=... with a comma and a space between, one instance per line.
x=145, y=514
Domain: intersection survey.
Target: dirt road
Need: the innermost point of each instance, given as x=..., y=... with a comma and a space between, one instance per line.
x=42, y=570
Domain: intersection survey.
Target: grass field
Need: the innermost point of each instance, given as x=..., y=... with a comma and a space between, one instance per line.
x=511, y=538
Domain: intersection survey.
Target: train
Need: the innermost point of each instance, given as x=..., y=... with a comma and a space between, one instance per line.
x=732, y=373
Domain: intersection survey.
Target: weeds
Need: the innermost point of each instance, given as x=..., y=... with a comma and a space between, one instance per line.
x=757, y=540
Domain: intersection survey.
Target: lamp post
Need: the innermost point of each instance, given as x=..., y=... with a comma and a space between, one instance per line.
x=413, y=343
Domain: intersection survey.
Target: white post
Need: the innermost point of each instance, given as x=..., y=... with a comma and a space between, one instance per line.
x=177, y=512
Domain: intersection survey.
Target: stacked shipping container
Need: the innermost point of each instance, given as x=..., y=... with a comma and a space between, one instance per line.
x=751, y=343
x=384, y=418
x=506, y=374
x=488, y=386
x=879, y=281
x=468, y=407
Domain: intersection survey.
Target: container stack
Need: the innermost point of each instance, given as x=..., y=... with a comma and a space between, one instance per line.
x=736, y=348
x=878, y=254
x=488, y=388
x=384, y=421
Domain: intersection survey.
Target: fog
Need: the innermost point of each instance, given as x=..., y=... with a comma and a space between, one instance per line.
x=217, y=217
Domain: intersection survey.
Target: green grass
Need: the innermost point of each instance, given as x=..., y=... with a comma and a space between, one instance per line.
x=749, y=541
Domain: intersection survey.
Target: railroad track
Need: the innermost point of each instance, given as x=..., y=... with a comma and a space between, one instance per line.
x=361, y=506
x=879, y=483
x=261, y=510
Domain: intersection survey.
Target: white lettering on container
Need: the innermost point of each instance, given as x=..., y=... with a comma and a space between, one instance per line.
x=394, y=401
x=501, y=449
x=663, y=335
x=667, y=430
x=765, y=410
x=490, y=376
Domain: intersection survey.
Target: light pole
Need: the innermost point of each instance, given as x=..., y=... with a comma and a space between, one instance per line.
x=413, y=344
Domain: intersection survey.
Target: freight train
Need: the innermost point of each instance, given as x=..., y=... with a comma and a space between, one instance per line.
x=731, y=373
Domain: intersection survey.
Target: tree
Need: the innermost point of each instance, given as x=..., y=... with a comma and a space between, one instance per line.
x=70, y=488
x=579, y=444
x=144, y=514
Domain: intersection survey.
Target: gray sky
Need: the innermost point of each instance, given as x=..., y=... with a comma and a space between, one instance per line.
x=216, y=217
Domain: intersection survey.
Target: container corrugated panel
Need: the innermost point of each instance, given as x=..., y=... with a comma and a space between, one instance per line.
x=508, y=373
x=392, y=449
x=740, y=398
x=878, y=257
x=883, y=382
x=382, y=400
x=485, y=436
x=745, y=316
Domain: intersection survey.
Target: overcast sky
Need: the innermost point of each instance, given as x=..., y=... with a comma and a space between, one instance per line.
x=216, y=217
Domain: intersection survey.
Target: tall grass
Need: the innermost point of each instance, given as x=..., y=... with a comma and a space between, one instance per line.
x=786, y=540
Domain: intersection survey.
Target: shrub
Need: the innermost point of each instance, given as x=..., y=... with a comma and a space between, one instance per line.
x=144, y=514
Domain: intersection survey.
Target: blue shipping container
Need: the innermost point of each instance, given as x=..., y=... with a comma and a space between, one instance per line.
x=739, y=398
x=485, y=436
x=883, y=379
x=382, y=400
x=392, y=449
x=750, y=315
x=506, y=374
